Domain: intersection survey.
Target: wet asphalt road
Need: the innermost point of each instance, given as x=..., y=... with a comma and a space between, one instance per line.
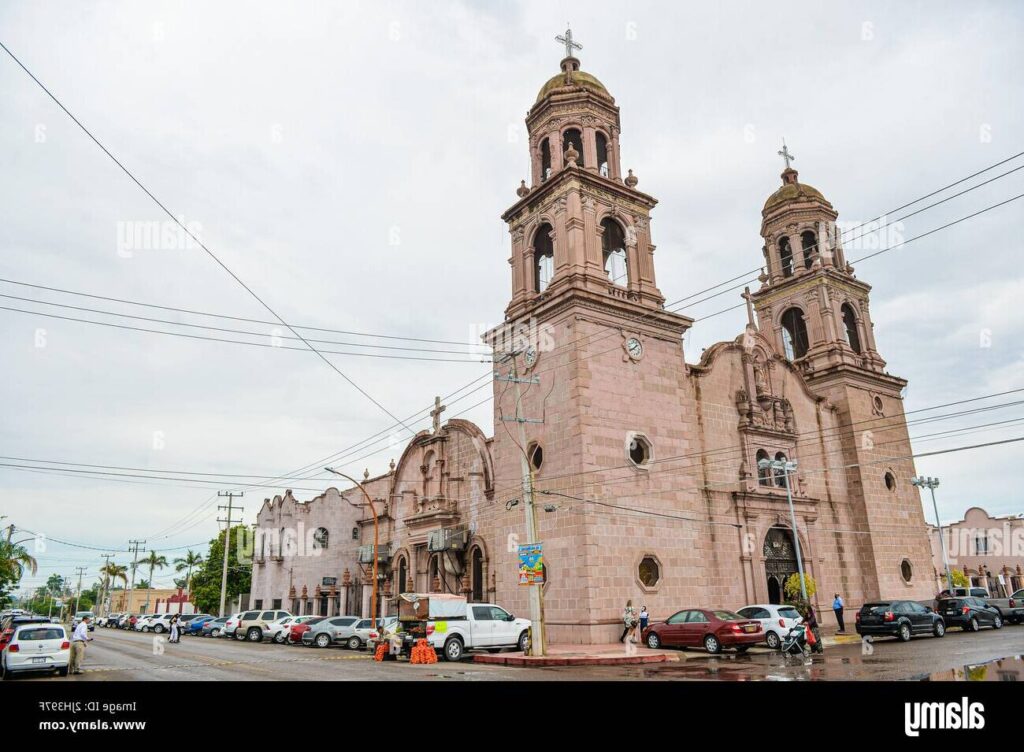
x=118, y=655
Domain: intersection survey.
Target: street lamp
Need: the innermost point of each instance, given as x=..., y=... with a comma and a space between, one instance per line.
x=373, y=510
x=787, y=467
x=931, y=484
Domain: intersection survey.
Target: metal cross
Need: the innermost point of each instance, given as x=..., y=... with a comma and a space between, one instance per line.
x=569, y=44
x=786, y=155
x=436, y=413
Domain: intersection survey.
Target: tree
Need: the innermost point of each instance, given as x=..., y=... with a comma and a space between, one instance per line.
x=189, y=561
x=113, y=572
x=206, y=580
x=14, y=560
x=794, y=593
x=153, y=561
x=960, y=579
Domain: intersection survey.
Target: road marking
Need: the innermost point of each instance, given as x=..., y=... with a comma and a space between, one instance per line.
x=228, y=663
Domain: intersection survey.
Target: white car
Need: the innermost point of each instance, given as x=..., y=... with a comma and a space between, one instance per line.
x=36, y=647
x=231, y=625
x=278, y=629
x=776, y=620
x=148, y=622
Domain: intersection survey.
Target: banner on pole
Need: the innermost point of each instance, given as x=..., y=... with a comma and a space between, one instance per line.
x=531, y=564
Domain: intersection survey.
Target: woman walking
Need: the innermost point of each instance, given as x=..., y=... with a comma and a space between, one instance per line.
x=175, y=633
x=628, y=620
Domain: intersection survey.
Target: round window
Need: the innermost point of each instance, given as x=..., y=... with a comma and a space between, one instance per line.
x=639, y=451
x=878, y=404
x=906, y=570
x=649, y=571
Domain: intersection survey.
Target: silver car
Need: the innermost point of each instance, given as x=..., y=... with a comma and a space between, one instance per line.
x=331, y=630
x=365, y=632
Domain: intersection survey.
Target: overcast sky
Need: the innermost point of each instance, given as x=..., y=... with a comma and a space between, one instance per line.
x=351, y=163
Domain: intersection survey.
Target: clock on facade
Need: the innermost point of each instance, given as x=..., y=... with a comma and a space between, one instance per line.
x=634, y=348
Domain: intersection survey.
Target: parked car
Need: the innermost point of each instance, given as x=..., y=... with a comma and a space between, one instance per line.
x=711, y=628
x=333, y=629
x=214, y=627
x=231, y=625
x=1011, y=608
x=145, y=622
x=466, y=626
x=970, y=613
x=195, y=626
x=901, y=619
x=79, y=615
x=960, y=592
x=280, y=629
x=184, y=620
x=253, y=625
x=776, y=620
x=38, y=646
x=300, y=626
x=13, y=621
x=108, y=621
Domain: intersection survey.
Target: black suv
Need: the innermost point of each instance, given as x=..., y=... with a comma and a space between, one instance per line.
x=970, y=613
x=901, y=619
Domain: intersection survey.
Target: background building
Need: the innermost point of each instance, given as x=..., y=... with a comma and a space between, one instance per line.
x=989, y=550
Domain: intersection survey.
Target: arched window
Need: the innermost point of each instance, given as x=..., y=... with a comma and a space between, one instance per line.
x=794, y=334
x=786, y=256
x=810, y=245
x=477, y=573
x=574, y=137
x=602, y=154
x=764, y=474
x=545, y=160
x=780, y=475
x=613, y=245
x=543, y=258
x=403, y=576
x=850, y=324
x=320, y=538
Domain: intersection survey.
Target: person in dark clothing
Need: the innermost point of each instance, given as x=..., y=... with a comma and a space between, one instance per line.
x=812, y=624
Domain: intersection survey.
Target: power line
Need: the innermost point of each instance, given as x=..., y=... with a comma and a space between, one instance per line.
x=199, y=242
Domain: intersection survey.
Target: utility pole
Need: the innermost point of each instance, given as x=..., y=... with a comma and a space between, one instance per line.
x=78, y=594
x=931, y=484
x=787, y=467
x=135, y=565
x=230, y=495
x=537, y=636
x=106, y=579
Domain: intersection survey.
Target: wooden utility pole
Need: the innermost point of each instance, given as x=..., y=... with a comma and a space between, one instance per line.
x=230, y=495
x=133, y=545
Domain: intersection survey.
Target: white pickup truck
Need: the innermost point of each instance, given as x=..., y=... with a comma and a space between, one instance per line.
x=452, y=625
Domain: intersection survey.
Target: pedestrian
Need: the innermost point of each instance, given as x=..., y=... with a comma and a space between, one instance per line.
x=628, y=619
x=644, y=619
x=78, y=639
x=812, y=624
x=175, y=634
x=837, y=606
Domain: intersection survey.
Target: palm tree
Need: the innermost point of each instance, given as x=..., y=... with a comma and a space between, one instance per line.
x=153, y=561
x=14, y=560
x=111, y=574
x=190, y=560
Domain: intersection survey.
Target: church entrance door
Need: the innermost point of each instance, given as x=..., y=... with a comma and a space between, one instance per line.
x=779, y=561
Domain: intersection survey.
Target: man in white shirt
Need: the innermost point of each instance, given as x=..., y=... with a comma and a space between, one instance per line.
x=78, y=639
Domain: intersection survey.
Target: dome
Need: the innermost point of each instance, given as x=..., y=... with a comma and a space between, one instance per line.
x=793, y=190
x=579, y=78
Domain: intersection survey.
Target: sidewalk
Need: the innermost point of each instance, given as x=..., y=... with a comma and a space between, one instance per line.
x=612, y=654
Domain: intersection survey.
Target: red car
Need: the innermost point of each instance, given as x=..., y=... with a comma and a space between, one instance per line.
x=297, y=630
x=710, y=628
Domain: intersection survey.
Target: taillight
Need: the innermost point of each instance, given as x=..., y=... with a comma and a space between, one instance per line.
x=889, y=616
x=65, y=645
x=858, y=617
x=1013, y=603
x=782, y=622
x=430, y=629
x=965, y=610
x=736, y=627
x=13, y=648
x=373, y=635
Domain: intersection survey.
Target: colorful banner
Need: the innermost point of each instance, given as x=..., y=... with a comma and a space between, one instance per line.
x=531, y=564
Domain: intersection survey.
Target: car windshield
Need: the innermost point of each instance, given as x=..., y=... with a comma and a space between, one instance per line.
x=727, y=615
x=317, y=620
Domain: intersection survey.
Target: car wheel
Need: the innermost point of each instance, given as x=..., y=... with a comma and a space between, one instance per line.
x=973, y=625
x=323, y=640
x=63, y=671
x=159, y=629
x=653, y=641
x=255, y=634
x=453, y=650
x=145, y=629
x=939, y=629
x=239, y=635
x=773, y=641
x=214, y=633
x=523, y=643
x=712, y=645
x=354, y=643
x=904, y=633
x=997, y=623
x=279, y=638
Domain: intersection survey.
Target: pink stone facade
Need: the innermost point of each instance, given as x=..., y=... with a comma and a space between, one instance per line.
x=988, y=550
x=649, y=488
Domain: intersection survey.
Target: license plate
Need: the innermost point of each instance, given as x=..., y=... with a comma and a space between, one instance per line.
x=750, y=628
x=39, y=660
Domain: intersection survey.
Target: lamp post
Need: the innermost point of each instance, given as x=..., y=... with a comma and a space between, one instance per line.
x=376, y=535
x=787, y=467
x=931, y=484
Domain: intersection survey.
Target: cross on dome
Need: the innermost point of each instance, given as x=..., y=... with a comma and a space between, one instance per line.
x=784, y=153
x=567, y=40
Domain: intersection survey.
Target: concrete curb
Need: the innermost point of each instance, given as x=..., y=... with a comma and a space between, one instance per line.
x=518, y=659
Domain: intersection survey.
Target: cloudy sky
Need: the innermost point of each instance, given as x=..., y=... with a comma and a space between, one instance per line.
x=350, y=162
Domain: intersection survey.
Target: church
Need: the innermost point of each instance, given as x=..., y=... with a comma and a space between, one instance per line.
x=655, y=480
